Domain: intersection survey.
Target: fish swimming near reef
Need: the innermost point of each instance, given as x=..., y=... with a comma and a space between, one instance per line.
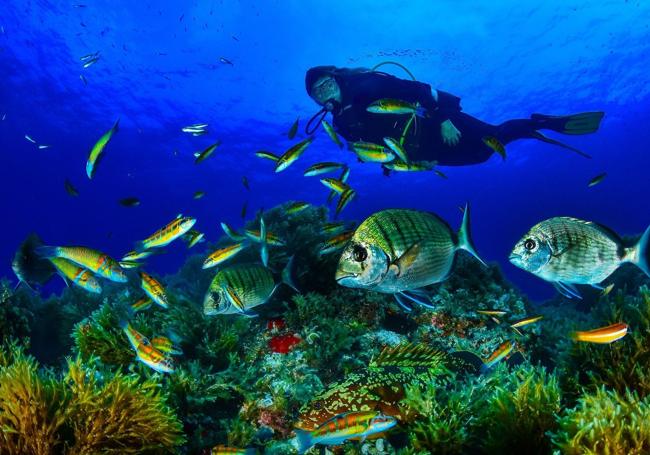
x=97, y=152
x=291, y=156
x=167, y=234
x=400, y=251
x=223, y=254
x=603, y=335
x=154, y=290
x=380, y=387
x=226, y=450
x=296, y=207
x=239, y=288
x=31, y=268
x=567, y=251
x=341, y=428
x=193, y=237
x=79, y=276
x=97, y=262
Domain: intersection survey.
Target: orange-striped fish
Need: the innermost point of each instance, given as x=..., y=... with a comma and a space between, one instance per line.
x=79, y=276
x=154, y=290
x=154, y=359
x=499, y=354
x=164, y=236
x=164, y=344
x=223, y=254
x=142, y=304
x=95, y=261
x=135, y=338
x=336, y=243
x=341, y=428
x=603, y=335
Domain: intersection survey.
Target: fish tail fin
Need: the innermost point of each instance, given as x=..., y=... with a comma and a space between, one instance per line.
x=47, y=251
x=116, y=126
x=303, y=440
x=287, y=275
x=639, y=254
x=139, y=247
x=465, y=237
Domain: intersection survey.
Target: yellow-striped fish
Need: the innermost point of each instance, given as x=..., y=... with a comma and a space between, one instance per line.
x=225, y=450
x=164, y=344
x=293, y=130
x=97, y=262
x=341, y=428
x=495, y=145
x=154, y=359
x=271, y=238
x=267, y=155
x=331, y=133
x=603, y=335
x=413, y=166
x=492, y=312
x=333, y=228
x=142, y=304
x=136, y=255
x=223, y=254
x=343, y=178
x=322, y=168
x=499, y=354
x=371, y=153
x=97, y=152
x=397, y=149
x=335, y=185
x=193, y=237
x=526, y=321
x=129, y=264
x=79, y=276
x=396, y=107
x=296, y=207
x=605, y=292
x=344, y=200
x=154, y=290
x=206, y=153
x=166, y=235
x=290, y=156
x=135, y=338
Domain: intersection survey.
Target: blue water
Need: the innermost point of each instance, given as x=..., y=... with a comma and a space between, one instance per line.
x=160, y=70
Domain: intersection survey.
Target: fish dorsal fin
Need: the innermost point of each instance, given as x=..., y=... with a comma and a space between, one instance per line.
x=407, y=259
x=409, y=355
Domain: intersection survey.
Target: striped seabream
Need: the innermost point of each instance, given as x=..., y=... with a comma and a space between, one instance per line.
x=397, y=250
x=249, y=285
x=567, y=251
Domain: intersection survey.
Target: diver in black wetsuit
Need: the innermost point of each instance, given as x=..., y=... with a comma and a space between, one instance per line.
x=445, y=134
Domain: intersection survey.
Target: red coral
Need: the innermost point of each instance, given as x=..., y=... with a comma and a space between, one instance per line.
x=282, y=344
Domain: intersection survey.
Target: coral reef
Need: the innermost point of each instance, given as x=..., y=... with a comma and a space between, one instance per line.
x=248, y=382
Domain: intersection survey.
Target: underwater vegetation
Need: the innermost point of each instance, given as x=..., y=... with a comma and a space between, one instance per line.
x=466, y=376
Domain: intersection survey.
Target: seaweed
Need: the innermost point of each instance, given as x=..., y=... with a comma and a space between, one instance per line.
x=605, y=421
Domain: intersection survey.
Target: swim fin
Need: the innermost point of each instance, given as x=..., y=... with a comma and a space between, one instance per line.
x=583, y=123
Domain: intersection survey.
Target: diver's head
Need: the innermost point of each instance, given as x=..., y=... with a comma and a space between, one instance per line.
x=325, y=90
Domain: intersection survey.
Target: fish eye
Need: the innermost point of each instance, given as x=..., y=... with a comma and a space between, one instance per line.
x=530, y=244
x=359, y=253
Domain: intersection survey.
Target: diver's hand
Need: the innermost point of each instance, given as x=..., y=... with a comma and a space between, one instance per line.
x=450, y=134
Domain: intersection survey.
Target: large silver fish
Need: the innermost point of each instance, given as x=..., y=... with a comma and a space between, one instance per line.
x=400, y=251
x=568, y=251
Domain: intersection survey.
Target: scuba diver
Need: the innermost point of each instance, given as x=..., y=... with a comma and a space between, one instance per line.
x=440, y=132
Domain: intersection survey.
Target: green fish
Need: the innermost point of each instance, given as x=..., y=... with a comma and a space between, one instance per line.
x=291, y=155
x=205, y=154
x=293, y=130
x=296, y=207
x=369, y=152
x=396, y=107
x=97, y=152
x=399, y=252
x=198, y=194
x=239, y=288
x=331, y=133
x=596, y=180
x=567, y=251
x=267, y=155
x=335, y=185
x=344, y=200
x=79, y=276
x=343, y=178
x=413, y=166
x=70, y=189
x=323, y=168
x=193, y=237
x=397, y=149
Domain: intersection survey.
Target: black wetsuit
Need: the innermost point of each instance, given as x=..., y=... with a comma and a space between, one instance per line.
x=360, y=87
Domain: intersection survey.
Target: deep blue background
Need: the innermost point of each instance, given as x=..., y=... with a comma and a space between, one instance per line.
x=159, y=71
